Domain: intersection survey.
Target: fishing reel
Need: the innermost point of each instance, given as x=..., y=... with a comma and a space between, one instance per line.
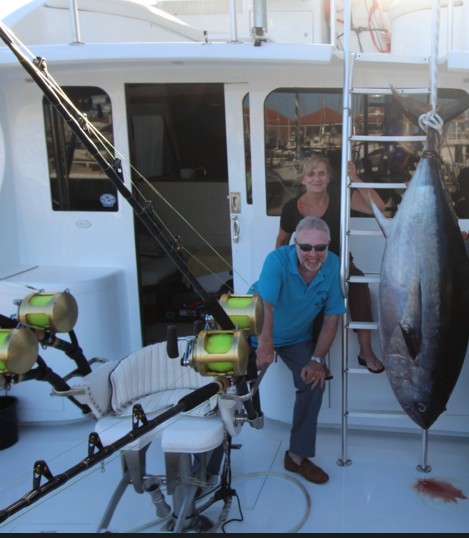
x=39, y=318
x=214, y=352
x=48, y=312
x=18, y=353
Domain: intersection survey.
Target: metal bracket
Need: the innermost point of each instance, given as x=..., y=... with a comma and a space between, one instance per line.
x=138, y=416
x=94, y=442
x=40, y=470
x=256, y=423
x=76, y=373
x=253, y=392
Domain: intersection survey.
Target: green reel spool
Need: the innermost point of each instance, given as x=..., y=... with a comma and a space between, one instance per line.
x=19, y=349
x=54, y=312
x=245, y=311
x=221, y=352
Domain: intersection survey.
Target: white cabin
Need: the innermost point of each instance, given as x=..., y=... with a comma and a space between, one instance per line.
x=218, y=126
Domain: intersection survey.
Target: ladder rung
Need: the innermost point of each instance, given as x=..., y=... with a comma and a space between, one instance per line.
x=378, y=186
x=387, y=91
x=369, y=326
x=363, y=371
x=383, y=139
x=377, y=414
x=367, y=279
x=365, y=232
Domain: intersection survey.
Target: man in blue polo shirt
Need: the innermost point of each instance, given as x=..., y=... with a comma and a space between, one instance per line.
x=296, y=283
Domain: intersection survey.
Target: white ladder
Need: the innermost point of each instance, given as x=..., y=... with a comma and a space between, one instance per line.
x=346, y=232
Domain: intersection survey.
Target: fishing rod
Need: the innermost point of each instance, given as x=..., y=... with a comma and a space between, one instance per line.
x=38, y=72
x=41, y=469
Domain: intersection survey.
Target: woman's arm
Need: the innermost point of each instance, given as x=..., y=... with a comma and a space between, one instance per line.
x=283, y=239
x=360, y=201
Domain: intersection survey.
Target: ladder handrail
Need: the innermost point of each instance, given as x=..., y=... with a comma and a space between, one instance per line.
x=347, y=140
x=332, y=20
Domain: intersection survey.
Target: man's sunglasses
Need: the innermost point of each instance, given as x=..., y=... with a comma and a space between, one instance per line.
x=308, y=248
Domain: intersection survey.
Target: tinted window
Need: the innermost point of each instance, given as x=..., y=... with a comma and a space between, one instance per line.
x=298, y=123
x=178, y=131
x=77, y=181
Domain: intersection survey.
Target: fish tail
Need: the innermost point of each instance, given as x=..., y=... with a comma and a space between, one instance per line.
x=446, y=112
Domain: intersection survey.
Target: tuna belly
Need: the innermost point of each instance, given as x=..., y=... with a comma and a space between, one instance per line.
x=420, y=395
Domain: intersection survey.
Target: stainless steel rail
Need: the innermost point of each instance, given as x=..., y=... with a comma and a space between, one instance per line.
x=76, y=37
x=346, y=186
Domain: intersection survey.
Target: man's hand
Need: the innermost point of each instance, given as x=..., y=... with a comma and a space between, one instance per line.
x=265, y=355
x=313, y=374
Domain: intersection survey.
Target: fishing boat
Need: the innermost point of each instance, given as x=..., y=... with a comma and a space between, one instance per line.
x=208, y=107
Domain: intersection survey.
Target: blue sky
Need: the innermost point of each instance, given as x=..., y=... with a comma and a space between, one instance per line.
x=8, y=6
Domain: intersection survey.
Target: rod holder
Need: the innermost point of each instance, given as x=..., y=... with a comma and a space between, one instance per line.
x=424, y=468
x=152, y=486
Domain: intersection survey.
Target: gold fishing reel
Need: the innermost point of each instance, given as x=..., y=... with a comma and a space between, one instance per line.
x=54, y=312
x=19, y=350
x=245, y=311
x=220, y=353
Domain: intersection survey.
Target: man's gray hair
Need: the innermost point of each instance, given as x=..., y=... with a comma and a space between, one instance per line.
x=313, y=223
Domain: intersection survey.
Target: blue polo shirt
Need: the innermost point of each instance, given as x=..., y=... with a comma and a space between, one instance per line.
x=295, y=303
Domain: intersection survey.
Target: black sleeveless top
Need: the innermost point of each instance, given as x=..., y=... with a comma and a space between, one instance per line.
x=291, y=216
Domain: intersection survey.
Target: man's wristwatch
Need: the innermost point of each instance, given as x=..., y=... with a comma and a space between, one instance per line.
x=320, y=360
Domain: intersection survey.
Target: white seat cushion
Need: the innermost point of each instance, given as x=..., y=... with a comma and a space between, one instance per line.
x=192, y=435
x=149, y=371
x=97, y=388
x=111, y=428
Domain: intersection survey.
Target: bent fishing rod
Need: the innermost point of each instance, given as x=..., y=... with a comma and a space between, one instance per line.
x=38, y=72
x=41, y=469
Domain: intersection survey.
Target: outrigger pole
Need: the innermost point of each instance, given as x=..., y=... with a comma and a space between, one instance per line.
x=188, y=403
x=37, y=71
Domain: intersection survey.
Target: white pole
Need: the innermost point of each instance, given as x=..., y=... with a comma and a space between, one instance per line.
x=332, y=21
x=450, y=25
x=435, y=52
x=76, y=38
x=234, y=25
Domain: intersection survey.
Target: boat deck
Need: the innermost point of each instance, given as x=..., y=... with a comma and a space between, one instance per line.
x=376, y=494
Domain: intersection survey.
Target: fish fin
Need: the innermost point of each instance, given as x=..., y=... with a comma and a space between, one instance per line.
x=415, y=107
x=412, y=339
x=449, y=111
x=383, y=222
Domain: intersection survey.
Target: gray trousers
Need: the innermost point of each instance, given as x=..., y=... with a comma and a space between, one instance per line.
x=308, y=402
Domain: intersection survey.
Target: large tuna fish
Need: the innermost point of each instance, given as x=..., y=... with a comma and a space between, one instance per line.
x=424, y=291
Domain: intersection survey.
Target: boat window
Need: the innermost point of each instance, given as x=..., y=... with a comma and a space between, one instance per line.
x=299, y=123
x=77, y=181
x=381, y=115
x=247, y=147
x=178, y=131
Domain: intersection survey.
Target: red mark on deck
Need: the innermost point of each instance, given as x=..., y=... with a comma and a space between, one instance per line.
x=437, y=489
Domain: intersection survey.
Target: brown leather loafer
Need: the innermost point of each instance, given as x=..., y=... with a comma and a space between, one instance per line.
x=307, y=469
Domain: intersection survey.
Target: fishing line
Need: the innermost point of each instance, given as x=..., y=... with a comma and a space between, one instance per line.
x=113, y=151
x=87, y=125
x=123, y=419
x=98, y=468
x=52, y=84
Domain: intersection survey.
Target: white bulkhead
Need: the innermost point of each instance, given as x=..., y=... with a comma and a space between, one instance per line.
x=151, y=65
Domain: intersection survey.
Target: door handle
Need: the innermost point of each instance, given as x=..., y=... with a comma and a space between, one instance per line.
x=236, y=228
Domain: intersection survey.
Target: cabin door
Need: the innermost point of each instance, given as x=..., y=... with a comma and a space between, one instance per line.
x=253, y=231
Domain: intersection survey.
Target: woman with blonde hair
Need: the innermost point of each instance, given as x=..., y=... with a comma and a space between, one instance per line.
x=322, y=199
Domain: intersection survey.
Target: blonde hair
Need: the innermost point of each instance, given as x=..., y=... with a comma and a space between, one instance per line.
x=311, y=163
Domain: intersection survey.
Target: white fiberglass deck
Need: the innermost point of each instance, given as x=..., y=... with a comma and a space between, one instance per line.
x=375, y=494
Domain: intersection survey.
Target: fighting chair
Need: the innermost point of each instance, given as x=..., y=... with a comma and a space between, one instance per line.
x=149, y=378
